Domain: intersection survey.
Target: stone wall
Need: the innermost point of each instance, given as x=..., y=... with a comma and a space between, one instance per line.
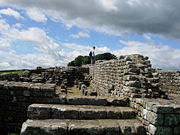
x=129, y=75
x=160, y=117
x=50, y=75
x=15, y=97
x=169, y=81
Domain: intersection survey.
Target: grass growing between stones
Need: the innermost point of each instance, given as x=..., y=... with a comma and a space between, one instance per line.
x=73, y=91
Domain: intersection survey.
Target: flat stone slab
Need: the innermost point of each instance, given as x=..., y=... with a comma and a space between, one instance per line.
x=49, y=111
x=82, y=127
x=93, y=100
x=44, y=127
x=39, y=111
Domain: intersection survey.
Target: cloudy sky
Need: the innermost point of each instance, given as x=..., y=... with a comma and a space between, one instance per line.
x=53, y=32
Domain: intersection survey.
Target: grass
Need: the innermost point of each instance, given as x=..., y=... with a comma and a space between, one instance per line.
x=13, y=71
x=12, y=134
x=73, y=91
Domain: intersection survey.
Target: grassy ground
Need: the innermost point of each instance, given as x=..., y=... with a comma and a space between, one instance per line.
x=15, y=71
x=73, y=91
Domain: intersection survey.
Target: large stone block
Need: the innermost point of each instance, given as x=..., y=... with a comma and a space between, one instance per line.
x=39, y=111
x=65, y=112
x=109, y=127
x=156, y=130
x=171, y=119
x=177, y=131
x=84, y=127
x=92, y=113
x=44, y=127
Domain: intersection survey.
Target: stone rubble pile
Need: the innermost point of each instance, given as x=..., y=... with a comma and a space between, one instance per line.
x=50, y=75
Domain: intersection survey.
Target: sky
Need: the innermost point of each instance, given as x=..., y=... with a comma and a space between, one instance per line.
x=50, y=33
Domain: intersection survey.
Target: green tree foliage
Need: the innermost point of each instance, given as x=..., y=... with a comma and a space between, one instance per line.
x=82, y=60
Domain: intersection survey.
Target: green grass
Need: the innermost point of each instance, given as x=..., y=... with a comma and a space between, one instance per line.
x=15, y=71
x=12, y=134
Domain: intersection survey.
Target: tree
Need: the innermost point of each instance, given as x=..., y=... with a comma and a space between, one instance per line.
x=82, y=60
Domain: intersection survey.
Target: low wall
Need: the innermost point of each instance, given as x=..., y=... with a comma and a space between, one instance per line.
x=50, y=75
x=169, y=81
x=160, y=117
x=129, y=75
x=15, y=97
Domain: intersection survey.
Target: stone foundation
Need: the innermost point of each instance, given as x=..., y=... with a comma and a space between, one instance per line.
x=15, y=97
x=160, y=117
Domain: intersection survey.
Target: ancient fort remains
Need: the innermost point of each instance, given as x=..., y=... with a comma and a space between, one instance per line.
x=125, y=97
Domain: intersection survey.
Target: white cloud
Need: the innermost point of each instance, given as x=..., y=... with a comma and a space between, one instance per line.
x=77, y=49
x=77, y=46
x=80, y=35
x=49, y=52
x=161, y=56
x=36, y=15
x=11, y=12
x=116, y=17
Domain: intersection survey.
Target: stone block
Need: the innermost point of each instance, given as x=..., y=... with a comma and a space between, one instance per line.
x=44, y=127
x=84, y=127
x=92, y=113
x=133, y=84
x=65, y=112
x=109, y=127
x=171, y=119
x=113, y=113
x=85, y=100
x=59, y=99
x=117, y=101
x=156, y=130
x=127, y=112
x=131, y=127
x=176, y=131
x=39, y=111
x=153, y=118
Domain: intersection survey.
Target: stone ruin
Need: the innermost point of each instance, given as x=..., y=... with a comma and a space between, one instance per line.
x=125, y=97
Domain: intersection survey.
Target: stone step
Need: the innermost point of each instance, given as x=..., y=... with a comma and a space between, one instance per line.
x=50, y=111
x=82, y=127
x=93, y=100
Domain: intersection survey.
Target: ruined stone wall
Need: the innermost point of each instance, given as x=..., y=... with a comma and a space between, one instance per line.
x=160, y=117
x=169, y=81
x=15, y=97
x=49, y=75
x=129, y=75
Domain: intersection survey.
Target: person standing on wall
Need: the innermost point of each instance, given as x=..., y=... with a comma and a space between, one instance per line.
x=92, y=55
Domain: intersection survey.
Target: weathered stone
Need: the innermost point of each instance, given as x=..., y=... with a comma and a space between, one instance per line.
x=159, y=130
x=44, y=127
x=109, y=127
x=127, y=127
x=114, y=113
x=153, y=118
x=84, y=100
x=84, y=127
x=176, y=131
x=127, y=112
x=117, y=101
x=65, y=112
x=171, y=119
x=91, y=113
x=39, y=111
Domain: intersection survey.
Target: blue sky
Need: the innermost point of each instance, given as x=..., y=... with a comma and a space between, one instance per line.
x=52, y=33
